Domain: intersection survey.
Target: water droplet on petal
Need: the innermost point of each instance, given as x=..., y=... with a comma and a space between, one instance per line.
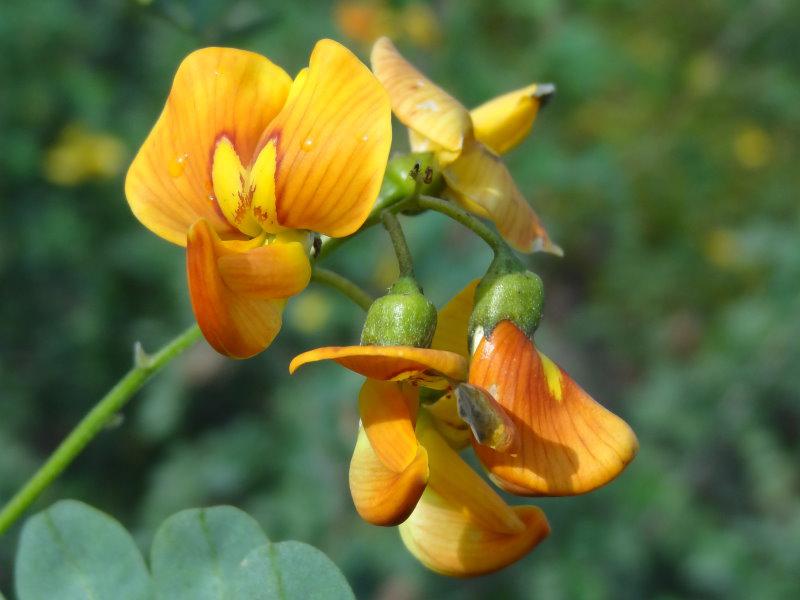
x=365, y=138
x=308, y=145
x=177, y=165
x=212, y=198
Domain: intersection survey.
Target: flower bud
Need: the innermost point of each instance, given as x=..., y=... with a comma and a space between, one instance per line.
x=406, y=171
x=507, y=294
x=403, y=317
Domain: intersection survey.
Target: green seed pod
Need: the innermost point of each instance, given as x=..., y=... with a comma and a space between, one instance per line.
x=507, y=293
x=405, y=170
x=403, y=317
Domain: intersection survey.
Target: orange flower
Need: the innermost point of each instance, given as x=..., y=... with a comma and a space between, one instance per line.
x=566, y=443
x=404, y=470
x=243, y=163
x=467, y=144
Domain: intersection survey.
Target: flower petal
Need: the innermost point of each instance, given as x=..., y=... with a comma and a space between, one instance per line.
x=445, y=540
x=389, y=468
x=332, y=139
x=418, y=102
x=389, y=362
x=456, y=482
x=447, y=422
x=453, y=320
x=461, y=527
x=383, y=496
x=480, y=181
x=234, y=324
x=216, y=91
x=503, y=122
x=419, y=143
x=388, y=413
x=278, y=270
x=568, y=443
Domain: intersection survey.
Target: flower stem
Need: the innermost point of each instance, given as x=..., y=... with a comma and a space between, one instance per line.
x=457, y=213
x=342, y=284
x=404, y=261
x=145, y=366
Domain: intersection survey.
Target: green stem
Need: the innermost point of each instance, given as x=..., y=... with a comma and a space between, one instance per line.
x=404, y=261
x=145, y=366
x=457, y=213
x=343, y=285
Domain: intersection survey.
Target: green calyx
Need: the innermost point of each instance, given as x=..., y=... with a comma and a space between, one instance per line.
x=508, y=292
x=403, y=317
x=416, y=172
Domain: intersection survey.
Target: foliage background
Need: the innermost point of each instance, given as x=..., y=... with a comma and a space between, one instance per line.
x=666, y=167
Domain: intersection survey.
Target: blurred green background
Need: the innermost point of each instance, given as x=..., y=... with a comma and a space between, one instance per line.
x=666, y=166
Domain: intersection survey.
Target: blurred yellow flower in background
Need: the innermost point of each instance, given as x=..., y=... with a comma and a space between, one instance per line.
x=722, y=249
x=363, y=21
x=311, y=312
x=80, y=155
x=752, y=147
x=703, y=74
x=367, y=20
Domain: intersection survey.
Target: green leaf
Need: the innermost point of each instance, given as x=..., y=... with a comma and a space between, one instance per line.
x=72, y=550
x=221, y=553
x=197, y=553
x=295, y=562
x=290, y=571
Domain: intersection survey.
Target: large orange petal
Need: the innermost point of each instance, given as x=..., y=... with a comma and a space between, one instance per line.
x=216, y=91
x=389, y=362
x=389, y=469
x=480, y=181
x=418, y=102
x=567, y=443
x=503, y=122
x=461, y=527
x=452, y=322
x=332, y=138
x=277, y=270
x=235, y=324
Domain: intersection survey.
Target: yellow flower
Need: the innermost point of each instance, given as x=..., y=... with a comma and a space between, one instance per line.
x=534, y=429
x=243, y=163
x=405, y=472
x=467, y=144
x=81, y=155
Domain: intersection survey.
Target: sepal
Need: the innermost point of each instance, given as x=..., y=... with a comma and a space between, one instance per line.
x=403, y=317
